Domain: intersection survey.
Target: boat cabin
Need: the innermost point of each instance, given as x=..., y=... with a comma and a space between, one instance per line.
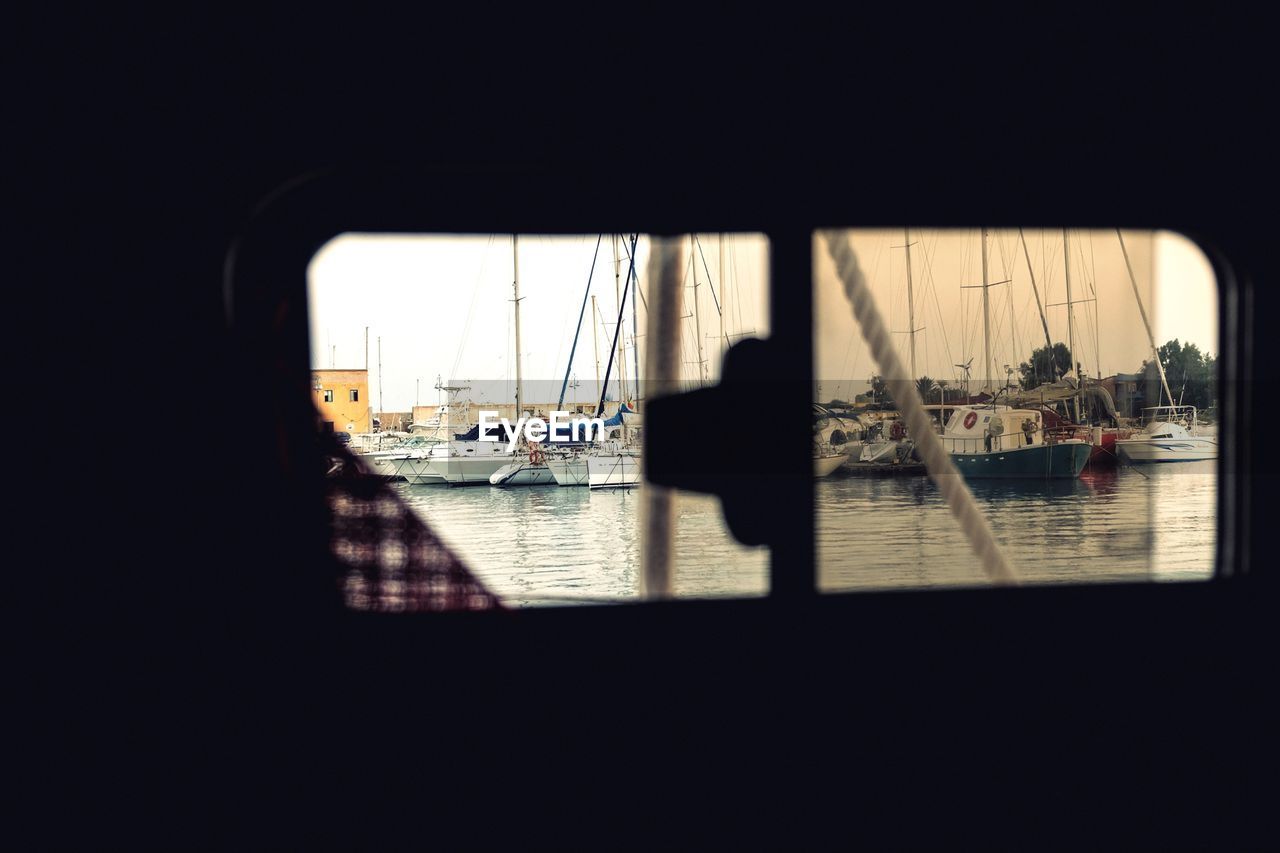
x=1157, y=418
x=982, y=429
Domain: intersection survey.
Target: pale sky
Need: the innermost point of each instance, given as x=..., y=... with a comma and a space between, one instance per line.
x=442, y=304
x=1174, y=279
x=443, y=307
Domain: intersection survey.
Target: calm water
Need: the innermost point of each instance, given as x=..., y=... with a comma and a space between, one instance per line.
x=545, y=545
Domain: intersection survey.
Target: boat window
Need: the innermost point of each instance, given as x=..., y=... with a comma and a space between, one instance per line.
x=457, y=325
x=1097, y=327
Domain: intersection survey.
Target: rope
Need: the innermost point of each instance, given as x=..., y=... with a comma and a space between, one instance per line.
x=936, y=459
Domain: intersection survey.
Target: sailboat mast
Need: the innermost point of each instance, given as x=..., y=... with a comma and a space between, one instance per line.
x=595, y=342
x=635, y=322
x=724, y=292
x=515, y=286
x=697, y=317
x=1155, y=351
x=578, y=331
x=1071, y=317
x=1044, y=323
x=911, y=304
x=986, y=313
x=617, y=289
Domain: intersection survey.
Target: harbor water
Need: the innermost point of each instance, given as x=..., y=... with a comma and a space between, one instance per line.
x=547, y=545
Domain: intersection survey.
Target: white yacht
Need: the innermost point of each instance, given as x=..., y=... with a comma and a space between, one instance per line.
x=408, y=461
x=524, y=469
x=569, y=468
x=466, y=460
x=614, y=466
x=1171, y=434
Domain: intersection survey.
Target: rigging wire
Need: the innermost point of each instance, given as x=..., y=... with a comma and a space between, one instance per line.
x=937, y=460
x=475, y=290
x=932, y=286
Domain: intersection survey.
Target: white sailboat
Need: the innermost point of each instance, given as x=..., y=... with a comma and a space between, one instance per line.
x=827, y=459
x=615, y=463
x=548, y=463
x=527, y=469
x=465, y=460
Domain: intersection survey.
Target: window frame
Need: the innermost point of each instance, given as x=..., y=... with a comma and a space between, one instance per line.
x=272, y=259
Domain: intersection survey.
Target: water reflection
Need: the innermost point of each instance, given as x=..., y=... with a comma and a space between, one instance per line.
x=1108, y=525
x=547, y=545
x=550, y=545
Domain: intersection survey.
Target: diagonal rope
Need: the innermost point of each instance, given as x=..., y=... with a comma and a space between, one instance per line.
x=936, y=459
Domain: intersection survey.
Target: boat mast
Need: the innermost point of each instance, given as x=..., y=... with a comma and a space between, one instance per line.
x=724, y=292
x=697, y=317
x=1071, y=315
x=1044, y=323
x=515, y=285
x=911, y=305
x=617, y=331
x=1155, y=351
x=986, y=314
x=617, y=336
x=573, y=349
x=635, y=322
x=595, y=342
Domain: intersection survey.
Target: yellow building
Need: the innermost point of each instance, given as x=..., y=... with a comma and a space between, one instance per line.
x=342, y=399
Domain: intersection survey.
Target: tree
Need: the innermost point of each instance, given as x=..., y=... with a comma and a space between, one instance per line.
x=878, y=387
x=1191, y=374
x=1043, y=368
x=927, y=388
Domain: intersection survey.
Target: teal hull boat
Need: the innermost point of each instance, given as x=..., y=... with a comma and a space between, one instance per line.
x=1063, y=460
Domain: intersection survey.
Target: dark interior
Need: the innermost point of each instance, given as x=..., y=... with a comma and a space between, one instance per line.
x=240, y=704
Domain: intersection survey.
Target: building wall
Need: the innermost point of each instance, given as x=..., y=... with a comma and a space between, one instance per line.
x=394, y=421
x=345, y=414
x=1128, y=391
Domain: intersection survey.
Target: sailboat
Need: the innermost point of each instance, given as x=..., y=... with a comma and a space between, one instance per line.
x=615, y=463
x=465, y=459
x=991, y=440
x=1171, y=433
x=548, y=463
x=1096, y=419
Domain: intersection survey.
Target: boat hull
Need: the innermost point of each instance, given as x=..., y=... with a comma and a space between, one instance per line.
x=613, y=471
x=523, y=473
x=1144, y=450
x=416, y=469
x=569, y=472
x=468, y=472
x=824, y=465
x=1061, y=460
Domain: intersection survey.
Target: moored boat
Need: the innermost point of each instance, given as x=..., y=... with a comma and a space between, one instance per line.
x=615, y=465
x=1172, y=434
x=1000, y=441
x=826, y=459
x=525, y=469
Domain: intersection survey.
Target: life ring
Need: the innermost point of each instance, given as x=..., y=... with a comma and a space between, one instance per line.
x=970, y=419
